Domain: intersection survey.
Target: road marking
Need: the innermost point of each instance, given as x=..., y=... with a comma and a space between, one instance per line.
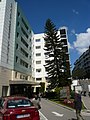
x=57, y=114
x=42, y=117
x=85, y=114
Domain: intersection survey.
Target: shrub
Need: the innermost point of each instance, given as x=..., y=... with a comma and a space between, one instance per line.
x=69, y=102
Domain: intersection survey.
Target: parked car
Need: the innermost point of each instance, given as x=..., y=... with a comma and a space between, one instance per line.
x=17, y=108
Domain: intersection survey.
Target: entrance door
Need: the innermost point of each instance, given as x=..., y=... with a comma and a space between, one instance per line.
x=4, y=90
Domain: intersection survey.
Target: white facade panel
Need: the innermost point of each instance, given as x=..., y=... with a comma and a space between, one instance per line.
x=2, y=14
x=38, y=48
x=7, y=39
x=7, y=42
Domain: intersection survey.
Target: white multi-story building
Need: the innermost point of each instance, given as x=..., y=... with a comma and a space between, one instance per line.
x=38, y=71
x=16, y=38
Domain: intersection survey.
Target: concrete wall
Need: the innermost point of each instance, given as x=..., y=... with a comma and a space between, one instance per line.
x=5, y=76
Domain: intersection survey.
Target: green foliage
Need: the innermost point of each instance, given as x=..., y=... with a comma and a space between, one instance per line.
x=52, y=48
x=50, y=95
x=57, y=90
x=42, y=89
x=72, y=93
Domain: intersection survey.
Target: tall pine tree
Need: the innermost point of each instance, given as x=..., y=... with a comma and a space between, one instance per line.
x=56, y=65
x=54, y=55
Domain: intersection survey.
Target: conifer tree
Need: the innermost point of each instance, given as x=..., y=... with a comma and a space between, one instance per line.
x=55, y=57
x=53, y=52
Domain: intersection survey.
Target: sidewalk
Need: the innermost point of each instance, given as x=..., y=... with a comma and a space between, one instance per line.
x=86, y=100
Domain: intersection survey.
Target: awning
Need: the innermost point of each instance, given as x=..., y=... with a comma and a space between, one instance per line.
x=36, y=85
x=23, y=82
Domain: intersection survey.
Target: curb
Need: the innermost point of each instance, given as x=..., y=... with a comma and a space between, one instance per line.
x=88, y=111
x=62, y=105
x=85, y=110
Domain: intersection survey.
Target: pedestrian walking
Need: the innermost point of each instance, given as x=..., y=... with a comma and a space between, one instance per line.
x=36, y=102
x=78, y=106
x=39, y=97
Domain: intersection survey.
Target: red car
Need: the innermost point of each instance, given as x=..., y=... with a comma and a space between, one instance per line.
x=17, y=108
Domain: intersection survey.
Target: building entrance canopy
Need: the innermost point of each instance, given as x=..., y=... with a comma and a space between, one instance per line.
x=23, y=82
x=22, y=87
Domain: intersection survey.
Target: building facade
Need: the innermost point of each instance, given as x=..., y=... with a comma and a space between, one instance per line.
x=82, y=66
x=22, y=57
x=39, y=73
x=7, y=43
x=64, y=39
x=16, y=38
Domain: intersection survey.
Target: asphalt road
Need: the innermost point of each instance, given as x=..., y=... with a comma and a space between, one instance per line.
x=52, y=111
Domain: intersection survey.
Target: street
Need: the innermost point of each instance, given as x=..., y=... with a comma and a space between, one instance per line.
x=53, y=111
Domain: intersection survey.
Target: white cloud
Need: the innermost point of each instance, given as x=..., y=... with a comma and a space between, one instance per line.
x=82, y=41
x=76, y=12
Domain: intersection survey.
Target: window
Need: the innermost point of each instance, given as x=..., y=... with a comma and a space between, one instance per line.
x=38, y=62
x=30, y=48
x=30, y=31
x=30, y=66
x=16, y=46
x=16, y=59
x=24, y=77
x=38, y=79
x=38, y=47
x=24, y=24
x=23, y=63
x=24, y=42
x=64, y=41
x=30, y=57
x=18, y=24
x=18, y=13
x=24, y=52
x=37, y=40
x=30, y=40
x=38, y=54
x=18, y=103
x=62, y=31
x=23, y=31
x=15, y=74
x=63, y=36
x=17, y=34
x=38, y=70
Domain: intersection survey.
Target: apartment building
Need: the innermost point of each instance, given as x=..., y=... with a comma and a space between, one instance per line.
x=39, y=73
x=81, y=68
x=16, y=38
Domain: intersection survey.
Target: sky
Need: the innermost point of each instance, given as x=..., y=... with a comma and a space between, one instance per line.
x=74, y=14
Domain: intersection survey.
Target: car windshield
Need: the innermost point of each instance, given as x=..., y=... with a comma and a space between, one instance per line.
x=18, y=103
